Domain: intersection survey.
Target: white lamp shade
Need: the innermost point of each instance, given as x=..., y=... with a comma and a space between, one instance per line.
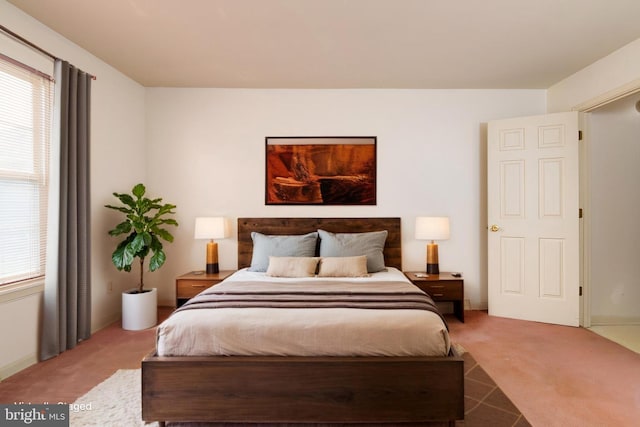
x=210, y=228
x=432, y=228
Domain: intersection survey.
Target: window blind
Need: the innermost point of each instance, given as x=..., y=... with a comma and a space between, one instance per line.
x=26, y=102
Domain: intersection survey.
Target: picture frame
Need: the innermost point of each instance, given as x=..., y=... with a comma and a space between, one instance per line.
x=319, y=170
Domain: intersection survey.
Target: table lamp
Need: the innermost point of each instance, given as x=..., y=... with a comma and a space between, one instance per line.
x=211, y=228
x=432, y=228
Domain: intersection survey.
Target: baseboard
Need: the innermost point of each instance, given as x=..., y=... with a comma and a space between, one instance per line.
x=17, y=366
x=614, y=320
x=481, y=305
x=104, y=323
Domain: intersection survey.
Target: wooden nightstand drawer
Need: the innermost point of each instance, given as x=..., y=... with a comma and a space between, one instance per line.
x=191, y=284
x=443, y=292
x=190, y=288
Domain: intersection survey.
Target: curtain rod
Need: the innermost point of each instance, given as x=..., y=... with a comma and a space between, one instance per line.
x=32, y=45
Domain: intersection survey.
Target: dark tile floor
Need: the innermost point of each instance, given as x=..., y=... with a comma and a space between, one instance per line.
x=484, y=403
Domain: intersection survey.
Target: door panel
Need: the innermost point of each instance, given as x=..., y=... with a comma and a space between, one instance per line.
x=512, y=262
x=512, y=189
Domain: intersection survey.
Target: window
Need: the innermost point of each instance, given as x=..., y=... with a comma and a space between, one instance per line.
x=26, y=101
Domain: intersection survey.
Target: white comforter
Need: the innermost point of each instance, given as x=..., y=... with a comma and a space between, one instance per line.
x=303, y=332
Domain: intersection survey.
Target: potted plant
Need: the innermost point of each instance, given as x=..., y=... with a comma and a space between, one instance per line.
x=143, y=227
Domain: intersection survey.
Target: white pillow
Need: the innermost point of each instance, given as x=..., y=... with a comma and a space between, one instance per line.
x=292, y=266
x=349, y=266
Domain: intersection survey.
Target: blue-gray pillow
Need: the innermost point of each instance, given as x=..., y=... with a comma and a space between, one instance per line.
x=355, y=244
x=265, y=246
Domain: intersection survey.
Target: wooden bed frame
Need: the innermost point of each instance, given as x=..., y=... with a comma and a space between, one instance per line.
x=305, y=390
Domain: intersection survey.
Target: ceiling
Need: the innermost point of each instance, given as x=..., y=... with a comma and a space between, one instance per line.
x=344, y=43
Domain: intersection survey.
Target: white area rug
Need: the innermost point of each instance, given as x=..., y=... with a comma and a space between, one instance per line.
x=114, y=402
x=458, y=348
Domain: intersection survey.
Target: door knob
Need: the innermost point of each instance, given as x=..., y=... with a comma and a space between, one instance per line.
x=494, y=228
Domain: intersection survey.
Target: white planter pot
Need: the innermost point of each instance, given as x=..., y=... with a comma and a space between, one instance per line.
x=139, y=311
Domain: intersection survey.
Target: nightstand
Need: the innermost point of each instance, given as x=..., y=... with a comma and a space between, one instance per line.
x=190, y=284
x=442, y=287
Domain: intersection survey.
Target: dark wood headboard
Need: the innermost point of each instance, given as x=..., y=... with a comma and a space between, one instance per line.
x=280, y=226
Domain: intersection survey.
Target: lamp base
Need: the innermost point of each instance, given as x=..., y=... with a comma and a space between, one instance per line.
x=432, y=258
x=433, y=269
x=212, y=258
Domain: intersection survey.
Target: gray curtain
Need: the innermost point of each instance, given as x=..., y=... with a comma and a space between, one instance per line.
x=67, y=296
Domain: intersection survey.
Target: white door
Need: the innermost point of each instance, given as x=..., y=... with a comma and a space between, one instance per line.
x=533, y=230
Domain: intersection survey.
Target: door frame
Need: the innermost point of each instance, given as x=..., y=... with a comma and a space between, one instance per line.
x=588, y=106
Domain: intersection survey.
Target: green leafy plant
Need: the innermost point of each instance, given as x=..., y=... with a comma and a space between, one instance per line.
x=144, y=227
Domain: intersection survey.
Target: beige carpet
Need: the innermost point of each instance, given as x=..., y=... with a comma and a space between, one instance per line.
x=116, y=402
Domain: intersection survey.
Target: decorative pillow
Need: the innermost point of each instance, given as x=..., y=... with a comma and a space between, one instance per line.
x=348, y=266
x=265, y=246
x=354, y=244
x=292, y=266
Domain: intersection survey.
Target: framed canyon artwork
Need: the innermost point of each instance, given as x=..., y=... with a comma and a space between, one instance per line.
x=320, y=170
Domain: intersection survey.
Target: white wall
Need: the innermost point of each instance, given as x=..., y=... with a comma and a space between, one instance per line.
x=615, y=208
x=613, y=292
x=615, y=70
x=206, y=154
x=117, y=161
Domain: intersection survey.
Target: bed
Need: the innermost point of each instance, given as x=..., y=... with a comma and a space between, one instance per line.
x=303, y=388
